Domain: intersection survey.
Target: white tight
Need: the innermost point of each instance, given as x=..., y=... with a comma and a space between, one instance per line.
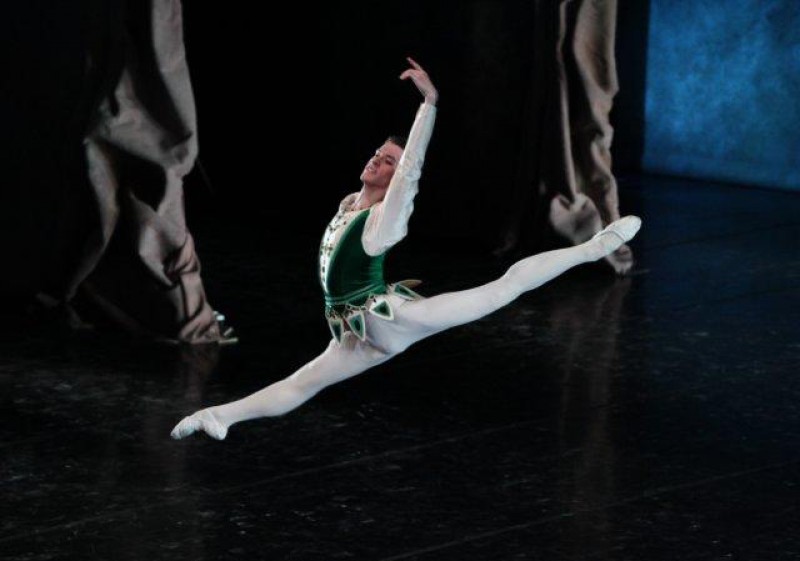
x=413, y=321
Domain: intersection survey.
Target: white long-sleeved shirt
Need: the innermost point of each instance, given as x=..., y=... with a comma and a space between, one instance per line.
x=387, y=223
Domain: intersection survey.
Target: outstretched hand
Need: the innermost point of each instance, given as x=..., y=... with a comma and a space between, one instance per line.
x=421, y=80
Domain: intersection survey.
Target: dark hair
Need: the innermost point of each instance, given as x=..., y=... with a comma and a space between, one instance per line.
x=399, y=140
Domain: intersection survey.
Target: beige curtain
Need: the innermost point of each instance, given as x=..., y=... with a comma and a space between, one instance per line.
x=565, y=180
x=138, y=262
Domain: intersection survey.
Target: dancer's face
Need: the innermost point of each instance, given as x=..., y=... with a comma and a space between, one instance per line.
x=380, y=168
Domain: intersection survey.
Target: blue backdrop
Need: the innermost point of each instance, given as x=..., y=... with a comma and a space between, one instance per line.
x=723, y=91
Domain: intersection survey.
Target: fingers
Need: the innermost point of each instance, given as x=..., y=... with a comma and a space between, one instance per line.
x=421, y=80
x=419, y=77
x=416, y=71
x=413, y=63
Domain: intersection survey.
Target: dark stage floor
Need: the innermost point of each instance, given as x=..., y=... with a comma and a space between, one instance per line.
x=651, y=418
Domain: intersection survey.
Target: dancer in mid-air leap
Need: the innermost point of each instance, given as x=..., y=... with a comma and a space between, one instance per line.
x=372, y=321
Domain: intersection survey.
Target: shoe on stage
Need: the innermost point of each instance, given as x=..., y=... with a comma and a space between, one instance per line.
x=618, y=233
x=204, y=420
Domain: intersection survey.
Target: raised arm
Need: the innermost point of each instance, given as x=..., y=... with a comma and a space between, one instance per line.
x=387, y=223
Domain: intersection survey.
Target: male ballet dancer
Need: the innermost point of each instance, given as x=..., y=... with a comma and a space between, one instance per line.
x=371, y=321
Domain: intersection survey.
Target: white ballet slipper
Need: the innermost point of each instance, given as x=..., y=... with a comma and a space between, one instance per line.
x=618, y=233
x=202, y=420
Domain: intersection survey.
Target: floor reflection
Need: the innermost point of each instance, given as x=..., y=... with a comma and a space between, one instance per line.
x=588, y=322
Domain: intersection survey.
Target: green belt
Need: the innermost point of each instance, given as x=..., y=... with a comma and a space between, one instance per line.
x=357, y=297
